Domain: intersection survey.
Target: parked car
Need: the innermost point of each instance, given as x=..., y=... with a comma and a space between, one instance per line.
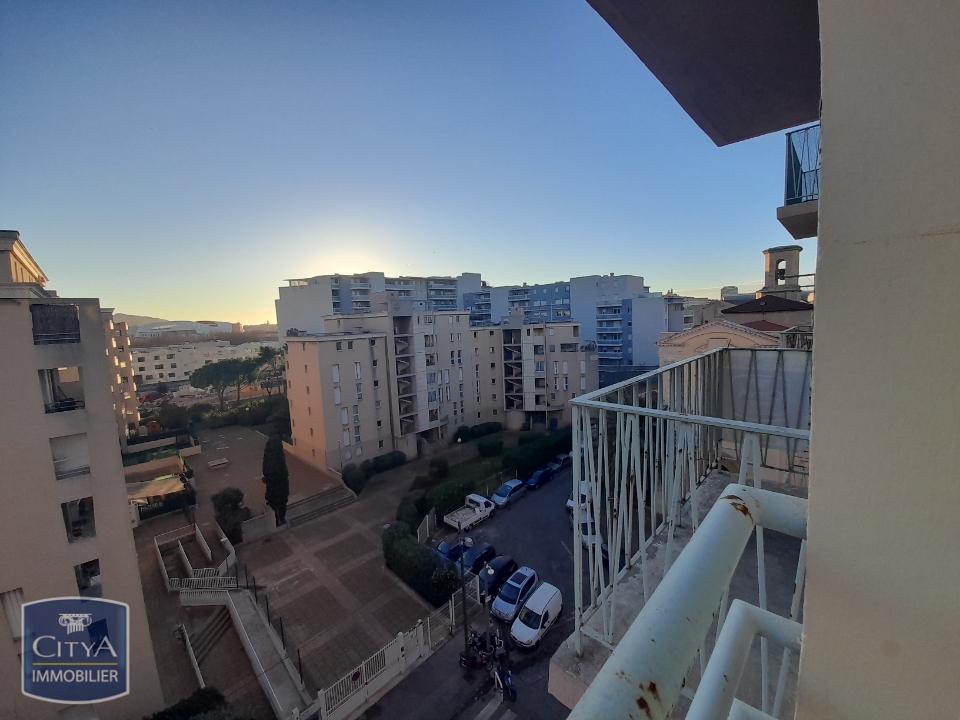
x=514, y=593
x=565, y=460
x=475, y=510
x=539, y=477
x=588, y=529
x=494, y=574
x=476, y=557
x=451, y=551
x=584, y=497
x=540, y=612
x=509, y=492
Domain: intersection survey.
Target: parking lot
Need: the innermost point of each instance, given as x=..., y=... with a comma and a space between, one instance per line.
x=534, y=531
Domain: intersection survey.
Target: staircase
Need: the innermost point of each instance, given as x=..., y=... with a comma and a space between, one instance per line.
x=318, y=505
x=204, y=640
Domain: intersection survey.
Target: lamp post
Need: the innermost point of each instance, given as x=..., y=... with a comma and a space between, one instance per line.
x=459, y=450
x=464, y=543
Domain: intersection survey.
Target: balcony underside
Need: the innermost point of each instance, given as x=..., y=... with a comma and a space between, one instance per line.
x=739, y=69
x=800, y=219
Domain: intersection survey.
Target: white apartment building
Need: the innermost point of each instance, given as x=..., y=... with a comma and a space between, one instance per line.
x=173, y=364
x=64, y=522
x=123, y=384
x=199, y=328
x=403, y=375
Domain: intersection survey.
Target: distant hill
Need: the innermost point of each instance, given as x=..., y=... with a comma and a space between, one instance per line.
x=133, y=321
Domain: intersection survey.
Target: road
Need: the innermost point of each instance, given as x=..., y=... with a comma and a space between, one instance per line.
x=535, y=531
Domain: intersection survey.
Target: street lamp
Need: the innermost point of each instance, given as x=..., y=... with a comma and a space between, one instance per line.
x=464, y=543
x=459, y=451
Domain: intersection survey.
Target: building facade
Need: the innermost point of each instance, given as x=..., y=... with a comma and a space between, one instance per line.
x=65, y=521
x=123, y=384
x=174, y=364
x=404, y=375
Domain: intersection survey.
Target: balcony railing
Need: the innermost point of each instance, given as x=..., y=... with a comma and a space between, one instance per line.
x=650, y=455
x=802, y=166
x=63, y=405
x=54, y=324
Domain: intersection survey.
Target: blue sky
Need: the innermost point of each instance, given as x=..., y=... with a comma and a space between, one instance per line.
x=180, y=159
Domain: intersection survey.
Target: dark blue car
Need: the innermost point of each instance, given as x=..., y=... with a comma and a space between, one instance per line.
x=539, y=477
x=450, y=551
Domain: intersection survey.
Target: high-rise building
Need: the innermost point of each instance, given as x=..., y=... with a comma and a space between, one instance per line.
x=403, y=374
x=64, y=521
x=123, y=385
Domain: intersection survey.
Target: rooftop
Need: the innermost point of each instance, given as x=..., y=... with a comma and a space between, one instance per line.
x=768, y=303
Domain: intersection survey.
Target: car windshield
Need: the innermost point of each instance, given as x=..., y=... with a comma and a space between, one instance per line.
x=503, y=491
x=529, y=618
x=510, y=592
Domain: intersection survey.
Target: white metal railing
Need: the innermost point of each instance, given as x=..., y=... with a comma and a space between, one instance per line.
x=203, y=583
x=202, y=542
x=192, y=655
x=427, y=526
x=643, y=448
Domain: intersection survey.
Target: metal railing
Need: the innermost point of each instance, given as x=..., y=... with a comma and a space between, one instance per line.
x=63, y=405
x=644, y=447
x=62, y=473
x=802, y=181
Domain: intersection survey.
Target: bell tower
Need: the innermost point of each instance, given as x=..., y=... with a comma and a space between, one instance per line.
x=781, y=270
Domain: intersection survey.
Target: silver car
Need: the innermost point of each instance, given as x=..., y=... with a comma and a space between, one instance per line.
x=509, y=492
x=514, y=594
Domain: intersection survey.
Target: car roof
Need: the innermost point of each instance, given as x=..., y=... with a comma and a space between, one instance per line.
x=513, y=483
x=500, y=561
x=541, y=596
x=523, y=570
x=475, y=496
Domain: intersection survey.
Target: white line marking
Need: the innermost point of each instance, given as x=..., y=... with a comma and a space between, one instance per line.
x=490, y=708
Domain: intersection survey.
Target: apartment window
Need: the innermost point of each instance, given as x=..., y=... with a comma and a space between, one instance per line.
x=568, y=347
x=539, y=366
x=583, y=366
x=431, y=378
x=172, y=365
x=374, y=362
x=493, y=381
x=141, y=359
x=553, y=348
x=378, y=405
x=344, y=416
x=373, y=342
x=380, y=444
x=336, y=396
x=54, y=324
x=379, y=423
x=494, y=412
x=356, y=370
x=528, y=332
x=158, y=367
x=565, y=366
x=149, y=377
x=156, y=357
x=556, y=381
x=376, y=383
x=566, y=382
x=359, y=391
x=88, y=578
x=304, y=368
x=12, y=602
x=349, y=344
x=336, y=373
x=345, y=437
x=493, y=397
x=556, y=367
x=308, y=389
x=61, y=388
x=170, y=357
x=451, y=337
x=493, y=366
x=491, y=349
x=78, y=519
x=583, y=382
x=339, y=345
x=71, y=456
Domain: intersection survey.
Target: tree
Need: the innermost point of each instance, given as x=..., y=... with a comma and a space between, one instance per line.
x=173, y=417
x=230, y=512
x=217, y=376
x=276, y=478
x=245, y=372
x=269, y=372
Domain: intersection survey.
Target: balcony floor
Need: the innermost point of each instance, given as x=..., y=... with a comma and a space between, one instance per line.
x=570, y=675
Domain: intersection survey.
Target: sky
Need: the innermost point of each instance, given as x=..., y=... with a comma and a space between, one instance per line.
x=181, y=159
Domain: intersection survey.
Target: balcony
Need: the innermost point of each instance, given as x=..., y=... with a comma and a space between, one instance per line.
x=801, y=194
x=61, y=388
x=693, y=480
x=55, y=324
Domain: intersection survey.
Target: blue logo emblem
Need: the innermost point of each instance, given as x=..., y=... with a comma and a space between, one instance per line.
x=75, y=650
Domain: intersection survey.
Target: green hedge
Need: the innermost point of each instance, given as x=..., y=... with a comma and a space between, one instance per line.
x=417, y=565
x=439, y=468
x=256, y=412
x=526, y=458
x=448, y=496
x=466, y=433
x=490, y=447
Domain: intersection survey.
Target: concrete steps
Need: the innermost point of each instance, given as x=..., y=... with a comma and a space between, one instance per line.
x=206, y=638
x=319, y=505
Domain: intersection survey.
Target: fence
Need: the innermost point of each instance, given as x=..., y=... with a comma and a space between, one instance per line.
x=193, y=657
x=197, y=578
x=427, y=526
x=203, y=583
x=380, y=672
x=231, y=559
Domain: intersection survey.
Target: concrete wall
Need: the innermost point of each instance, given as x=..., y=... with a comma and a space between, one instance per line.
x=302, y=306
x=37, y=554
x=881, y=620
x=647, y=317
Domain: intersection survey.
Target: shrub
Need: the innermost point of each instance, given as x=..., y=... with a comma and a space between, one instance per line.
x=490, y=447
x=230, y=512
x=528, y=437
x=408, y=512
x=439, y=468
x=449, y=495
x=354, y=478
x=536, y=453
x=487, y=428
x=413, y=563
x=462, y=434
x=201, y=701
x=389, y=460
x=366, y=467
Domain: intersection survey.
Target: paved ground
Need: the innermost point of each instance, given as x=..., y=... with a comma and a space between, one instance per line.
x=243, y=447
x=535, y=532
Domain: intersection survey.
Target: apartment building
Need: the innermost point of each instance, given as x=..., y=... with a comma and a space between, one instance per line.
x=123, y=384
x=403, y=375
x=305, y=298
x=174, y=364
x=64, y=522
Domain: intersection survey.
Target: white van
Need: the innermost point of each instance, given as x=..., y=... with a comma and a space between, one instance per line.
x=538, y=615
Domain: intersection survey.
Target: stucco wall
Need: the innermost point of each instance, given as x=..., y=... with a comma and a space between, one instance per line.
x=881, y=620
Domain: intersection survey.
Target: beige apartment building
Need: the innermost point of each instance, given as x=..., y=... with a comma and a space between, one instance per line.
x=64, y=521
x=404, y=375
x=123, y=385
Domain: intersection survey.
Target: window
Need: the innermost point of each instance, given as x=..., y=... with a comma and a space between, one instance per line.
x=381, y=443
x=336, y=396
x=493, y=366
x=88, y=578
x=336, y=373
x=158, y=367
x=373, y=342
x=376, y=383
x=539, y=366
x=311, y=432
x=565, y=366
x=71, y=456
x=583, y=367
x=55, y=324
x=78, y=519
x=141, y=359
x=349, y=344
x=379, y=423
x=339, y=345
x=493, y=381
x=566, y=382
x=61, y=388
x=309, y=410
x=583, y=382
x=345, y=438
x=359, y=391
x=12, y=602
x=556, y=367
x=491, y=349
x=494, y=412
x=149, y=377
x=356, y=370
x=172, y=365
x=170, y=357
x=308, y=389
